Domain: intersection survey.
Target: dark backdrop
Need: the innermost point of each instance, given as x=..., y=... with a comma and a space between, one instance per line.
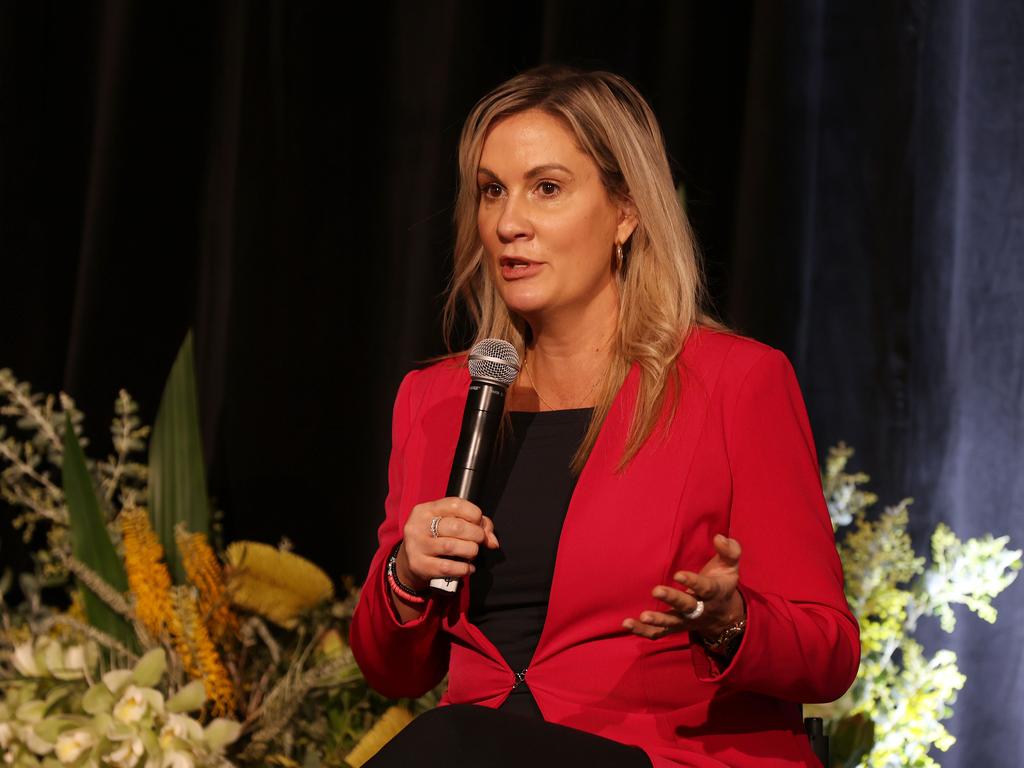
x=279, y=176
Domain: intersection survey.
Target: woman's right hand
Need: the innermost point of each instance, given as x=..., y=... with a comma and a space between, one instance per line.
x=461, y=530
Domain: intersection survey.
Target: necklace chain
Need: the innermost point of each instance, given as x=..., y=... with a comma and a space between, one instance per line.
x=533, y=383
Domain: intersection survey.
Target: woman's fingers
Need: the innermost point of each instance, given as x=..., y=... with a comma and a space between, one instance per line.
x=446, y=567
x=456, y=518
x=492, y=540
x=728, y=549
x=703, y=587
x=680, y=601
x=456, y=528
x=645, y=630
x=447, y=546
x=714, y=586
x=452, y=506
x=461, y=529
x=659, y=619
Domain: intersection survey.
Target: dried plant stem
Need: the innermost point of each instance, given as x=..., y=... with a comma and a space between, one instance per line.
x=110, y=483
x=282, y=701
x=30, y=410
x=257, y=626
x=97, y=584
x=18, y=498
x=28, y=471
x=89, y=631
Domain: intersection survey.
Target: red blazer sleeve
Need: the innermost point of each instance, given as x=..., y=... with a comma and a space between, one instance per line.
x=801, y=642
x=397, y=660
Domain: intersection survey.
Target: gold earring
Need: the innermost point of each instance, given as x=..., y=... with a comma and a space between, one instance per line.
x=619, y=258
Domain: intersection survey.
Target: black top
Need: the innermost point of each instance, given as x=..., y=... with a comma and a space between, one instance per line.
x=526, y=494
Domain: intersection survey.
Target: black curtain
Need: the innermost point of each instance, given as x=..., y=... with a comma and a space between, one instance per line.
x=279, y=176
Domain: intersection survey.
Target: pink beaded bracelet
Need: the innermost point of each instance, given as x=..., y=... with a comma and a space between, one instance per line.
x=406, y=593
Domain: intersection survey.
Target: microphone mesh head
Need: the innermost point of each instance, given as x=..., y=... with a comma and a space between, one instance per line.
x=494, y=360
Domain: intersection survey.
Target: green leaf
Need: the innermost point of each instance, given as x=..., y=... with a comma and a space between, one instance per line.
x=97, y=699
x=221, y=732
x=90, y=542
x=177, y=476
x=150, y=668
x=189, y=698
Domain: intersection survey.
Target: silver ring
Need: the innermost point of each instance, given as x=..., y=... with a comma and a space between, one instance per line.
x=433, y=526
x=696, y=613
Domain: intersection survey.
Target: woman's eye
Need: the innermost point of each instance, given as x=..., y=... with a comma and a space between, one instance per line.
x=490, y=191
x=548, y=188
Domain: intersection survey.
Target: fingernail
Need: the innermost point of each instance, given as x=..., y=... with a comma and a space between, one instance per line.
x=659, y=593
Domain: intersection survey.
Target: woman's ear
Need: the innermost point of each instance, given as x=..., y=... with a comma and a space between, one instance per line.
x=628, y=221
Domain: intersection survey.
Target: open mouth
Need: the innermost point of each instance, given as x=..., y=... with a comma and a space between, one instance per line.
x=517, y=268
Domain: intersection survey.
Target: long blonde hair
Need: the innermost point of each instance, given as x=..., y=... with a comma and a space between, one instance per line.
x=662, y=291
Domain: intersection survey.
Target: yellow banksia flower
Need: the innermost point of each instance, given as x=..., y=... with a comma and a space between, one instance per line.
x=148, y=577
x=276, y=584
x=205, y=573
x=202, y=662
x=385, y=729
x=176, y=630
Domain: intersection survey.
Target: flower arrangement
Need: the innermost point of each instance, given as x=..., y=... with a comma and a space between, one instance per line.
x=61, y=712
x=173, y=652
x=170, y=651
x=892, y=715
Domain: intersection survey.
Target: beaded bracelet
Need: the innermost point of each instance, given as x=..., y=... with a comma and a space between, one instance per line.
x=406, y=593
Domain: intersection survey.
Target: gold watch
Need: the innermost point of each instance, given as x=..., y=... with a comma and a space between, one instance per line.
x=727, y=641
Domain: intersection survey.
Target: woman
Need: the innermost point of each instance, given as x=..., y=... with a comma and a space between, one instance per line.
x=650, y=578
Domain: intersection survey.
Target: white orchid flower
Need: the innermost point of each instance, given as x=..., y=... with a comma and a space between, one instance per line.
x=35, y=744
x=76, y=663
x=24, y=660
x=180, y=727
x=177, y=759
x=136, y=703
x=72, y=744
x=127, y=755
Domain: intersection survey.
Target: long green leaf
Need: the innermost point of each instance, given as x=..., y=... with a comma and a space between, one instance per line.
x=90, y=542
x=177, y=477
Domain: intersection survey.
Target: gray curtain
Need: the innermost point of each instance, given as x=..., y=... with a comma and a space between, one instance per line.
x=881, y=243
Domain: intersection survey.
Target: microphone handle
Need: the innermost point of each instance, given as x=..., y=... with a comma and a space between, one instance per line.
x=481, y=419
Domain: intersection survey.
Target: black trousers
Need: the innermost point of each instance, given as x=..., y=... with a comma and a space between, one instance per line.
x=471, y=735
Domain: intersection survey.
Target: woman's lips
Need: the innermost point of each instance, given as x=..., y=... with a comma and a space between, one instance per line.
x=518, y=269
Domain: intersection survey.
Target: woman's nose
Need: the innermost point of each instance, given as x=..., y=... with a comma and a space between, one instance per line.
x=514, y=221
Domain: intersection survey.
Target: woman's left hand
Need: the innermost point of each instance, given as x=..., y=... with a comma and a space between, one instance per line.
x=714, y=586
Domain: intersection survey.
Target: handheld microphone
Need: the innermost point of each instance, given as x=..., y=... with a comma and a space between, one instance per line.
x=493, y=365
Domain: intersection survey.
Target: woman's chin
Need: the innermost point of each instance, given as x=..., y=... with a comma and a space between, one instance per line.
x=525, y=304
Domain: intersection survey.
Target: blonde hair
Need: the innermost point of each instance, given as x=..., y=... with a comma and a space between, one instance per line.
x=662, y=292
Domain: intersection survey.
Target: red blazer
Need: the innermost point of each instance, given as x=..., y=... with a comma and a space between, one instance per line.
x=738, y=459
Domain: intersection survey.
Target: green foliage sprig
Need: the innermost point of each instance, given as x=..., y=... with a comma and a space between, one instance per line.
x=893, y=715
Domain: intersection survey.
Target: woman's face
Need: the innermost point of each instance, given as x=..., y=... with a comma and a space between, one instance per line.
x=545, y=220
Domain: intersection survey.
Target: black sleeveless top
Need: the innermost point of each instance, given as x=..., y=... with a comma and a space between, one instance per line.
x=526, y=493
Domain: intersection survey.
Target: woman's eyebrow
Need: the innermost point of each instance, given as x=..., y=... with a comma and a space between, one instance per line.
x=539, y=170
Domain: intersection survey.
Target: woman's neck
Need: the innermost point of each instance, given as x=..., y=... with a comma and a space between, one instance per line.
x=566, y=363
